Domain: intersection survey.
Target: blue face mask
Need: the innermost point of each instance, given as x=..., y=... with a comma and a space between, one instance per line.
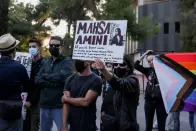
x=33, y=51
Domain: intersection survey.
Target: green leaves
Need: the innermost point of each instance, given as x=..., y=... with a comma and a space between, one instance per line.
x=188, y=22
x=124, y=10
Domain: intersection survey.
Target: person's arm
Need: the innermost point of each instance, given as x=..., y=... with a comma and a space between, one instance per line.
x=84, y=102
x=40, y=78
x=140, y=68
x=62, y=74
x=90, y=96
x=65, y=112
x=127, y=85
x=146, y=53
x=100, y=66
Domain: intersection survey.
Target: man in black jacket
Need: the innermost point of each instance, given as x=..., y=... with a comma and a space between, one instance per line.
x=126, y=97
x=153, y=98
x=32, y=123
x=50, y=79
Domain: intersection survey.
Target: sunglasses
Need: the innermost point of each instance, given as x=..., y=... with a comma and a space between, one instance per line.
x=122, y=65
x=54, y=45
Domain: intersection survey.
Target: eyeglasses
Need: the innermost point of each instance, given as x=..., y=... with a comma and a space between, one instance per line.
x=54, y=45
x=122, y=65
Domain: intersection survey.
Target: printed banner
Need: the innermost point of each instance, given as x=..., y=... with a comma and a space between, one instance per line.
x=100, y=39
x=24, y=59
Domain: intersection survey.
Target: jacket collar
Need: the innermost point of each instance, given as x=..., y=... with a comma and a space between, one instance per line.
x=60, y=57
x=6, y=58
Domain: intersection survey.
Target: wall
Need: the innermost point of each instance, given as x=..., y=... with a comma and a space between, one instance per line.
x=163, y=12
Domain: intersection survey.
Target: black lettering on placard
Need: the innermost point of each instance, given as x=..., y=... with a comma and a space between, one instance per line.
x=18, y=59
x=99, y=40
x=101, y=31
x=90, y=28
x=76, y=46
x=93, y=40
x=87, y=39
x=98, y=33
x=105, y=39
x=29, y=61
x=79, y=40
x=107, y=29
x=82, y=27
x=24, y=62
x=95, y=28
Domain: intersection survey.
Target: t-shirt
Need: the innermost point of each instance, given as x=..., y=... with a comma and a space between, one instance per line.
x=83, y=118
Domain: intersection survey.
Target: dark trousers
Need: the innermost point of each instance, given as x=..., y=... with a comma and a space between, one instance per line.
x=32, y=122
x=149, y=108
x=113, y=127
x=26, y=122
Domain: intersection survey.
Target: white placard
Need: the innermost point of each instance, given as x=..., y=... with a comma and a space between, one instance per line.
x=24, y=59
x=100, y=39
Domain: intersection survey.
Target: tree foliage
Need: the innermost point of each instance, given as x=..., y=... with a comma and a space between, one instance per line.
x=26, y=22
x=125, y=10
x=4, y=16
x=188, y=13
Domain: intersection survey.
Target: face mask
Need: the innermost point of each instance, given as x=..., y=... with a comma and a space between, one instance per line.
x=79, y=65
x=120, y=72
x=54, y=51
x=110, y=69
x=33, y=51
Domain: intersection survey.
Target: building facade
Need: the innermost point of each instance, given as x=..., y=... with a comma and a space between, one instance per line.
x=166, y=14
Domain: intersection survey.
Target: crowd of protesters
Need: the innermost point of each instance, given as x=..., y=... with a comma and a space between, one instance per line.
x=57, y=93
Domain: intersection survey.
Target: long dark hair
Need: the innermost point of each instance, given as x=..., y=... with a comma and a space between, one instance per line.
x=119, y=31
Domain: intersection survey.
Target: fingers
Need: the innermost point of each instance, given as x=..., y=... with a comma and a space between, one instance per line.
x=99, y=64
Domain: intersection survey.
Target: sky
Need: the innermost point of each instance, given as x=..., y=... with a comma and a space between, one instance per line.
x=59, y=30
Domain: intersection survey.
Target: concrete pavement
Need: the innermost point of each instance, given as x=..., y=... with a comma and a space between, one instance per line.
x=184, y=116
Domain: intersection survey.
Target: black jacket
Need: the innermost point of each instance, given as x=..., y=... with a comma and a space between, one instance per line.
x=13, y=79
x=126, y=100
x=34, y=91
x=51, y=79
x=152, y=87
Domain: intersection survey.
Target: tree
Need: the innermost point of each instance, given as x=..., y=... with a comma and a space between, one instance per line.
x=26, y=22
x=125, y=10
x=4, y=16
x=188, y=35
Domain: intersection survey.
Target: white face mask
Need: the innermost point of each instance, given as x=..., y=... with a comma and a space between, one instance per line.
x=33, y=51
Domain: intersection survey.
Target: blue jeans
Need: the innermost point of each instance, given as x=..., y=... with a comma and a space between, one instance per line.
x=47, y=115
x=192, y=120
x=15, y=125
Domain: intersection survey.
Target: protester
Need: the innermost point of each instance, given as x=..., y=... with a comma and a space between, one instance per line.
x=153, y=98
x=192, y=120
x=13, y=81
x=125, y=87
x=80, y=95
x=33, y=113
x=51, y=79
